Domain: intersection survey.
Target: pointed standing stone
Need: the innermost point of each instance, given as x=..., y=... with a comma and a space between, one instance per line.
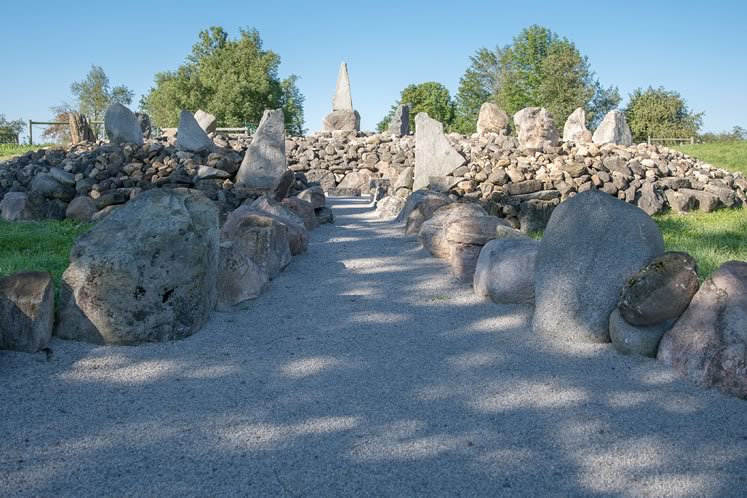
x=343, y=101
x=122, y=126
x=207, y=121
x=575, y=128
x=400, y=123
x=264, y=162
x=190, y=137
x=434, y=155
x=613, y=130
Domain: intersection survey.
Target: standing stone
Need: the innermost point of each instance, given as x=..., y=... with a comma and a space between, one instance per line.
x=122, y=126
x=207, y=121
x=264, y=161
x=80, y=129
x=661, y=291
x=707, y=344
x=492, y=119
x=575, y=128
x=400, y=124
x=434, y=155
x=145, y=125
x=613, y=130
x=145, y=273
x=592, y=245
x=535, y=128
x=405, y=179
x=505, y=269
x=26, y=311
x=343, y=99
x=190, y=137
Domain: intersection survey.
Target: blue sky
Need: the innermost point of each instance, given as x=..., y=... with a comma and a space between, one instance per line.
x=696, y=48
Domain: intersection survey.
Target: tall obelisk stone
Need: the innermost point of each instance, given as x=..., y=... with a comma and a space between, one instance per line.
x=343, y=117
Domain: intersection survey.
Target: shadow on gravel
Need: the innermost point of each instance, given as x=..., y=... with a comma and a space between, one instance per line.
x=364, y=370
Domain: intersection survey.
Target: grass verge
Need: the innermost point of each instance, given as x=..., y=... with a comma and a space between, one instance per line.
x=732, y=156
x=10, y=150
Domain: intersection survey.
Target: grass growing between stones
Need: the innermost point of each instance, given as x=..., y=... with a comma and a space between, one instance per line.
x=9, y=150
x=731, y=156
x=37, y=246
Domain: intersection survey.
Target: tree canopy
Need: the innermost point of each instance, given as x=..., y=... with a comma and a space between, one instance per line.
x=538, y=69
x=233, y=79
x=10, y=127
x=661, y=113
x=430, y=97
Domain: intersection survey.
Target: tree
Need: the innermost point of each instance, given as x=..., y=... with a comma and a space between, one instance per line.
x=235, y=80
x=92, y=97
x=430, y=97
x=661, y=113
x=9, y=129
x=538, y=69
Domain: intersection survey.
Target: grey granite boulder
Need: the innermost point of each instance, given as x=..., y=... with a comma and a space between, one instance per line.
x=593, y=244
x=404, y=179
x=708, y=342
x=81, y=209
x=264, y=161
x=16, y=206
x=190, y=137
x=239, y=278
x=575, y=130
x=415, y=214
x=26, y=311
x=535, y=128
x=314, y=195
x=145, y=273
x=505, y=270
x=661, y=290
x=122, y=126
x=400, y=124
x=432, y=232
x=434, y=155
x=492, y=119
x=389, y=207
x=344, y=121
x=613, y=129
x=634, y=339
x=263, y=238
x=298, y=239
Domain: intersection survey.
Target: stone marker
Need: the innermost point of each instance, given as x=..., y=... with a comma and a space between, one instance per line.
x=400, y=123
x=145, y=273
x=575, y=130
x=592, y=245
x=613, y=130
x=343, y=117
x=343, y=99
x=492, y=119
x=707, y=344
x=207, y=121
x=190, y=137
x=505, y=269
x=26, y=311
x=434, y=155
x=535, y=128
x=264, y=161
x=122, y=126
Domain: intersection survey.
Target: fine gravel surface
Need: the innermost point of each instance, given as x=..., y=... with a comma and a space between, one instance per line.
x=366, y=369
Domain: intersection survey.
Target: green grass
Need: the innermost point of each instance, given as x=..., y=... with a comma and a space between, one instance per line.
x=37, y=246
x=9, y=150
x=732, y=156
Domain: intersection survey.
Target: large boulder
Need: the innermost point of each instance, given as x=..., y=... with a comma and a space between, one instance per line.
x=283, y=185
x=389, y=207
x=613, y=130
x=414, y=199
x=434, y=155
x=298, y=239
x=505, y=269
x=145, y=273
x=264, y=161
x=263, y=238
x=321, y=177
x=122, y=126
x=26, y=311
x=661, y=291
x=575, y=130
x=707, y=344
x=466, y=237
x=593, y=244
x=422, y=210
x=634, y=339
x=400, y=123
x=305, y=210
x=314, y=196
x=16, y=206
x=405, y=179
x=535, y=128
x=344, y=121
x=81, y=209
x=356, y=180
x=239, y=277
x=432, y=233
x=492, y=119
x=190, y=137
x=207, y=121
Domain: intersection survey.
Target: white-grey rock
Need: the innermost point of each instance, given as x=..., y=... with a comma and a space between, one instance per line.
x=405, y=179
x=505, y=269
x=16, y=206
x=264, y=161
x=389, y=207
x=434, y=155
x=122, y=126
x=190, y=137
x=207, y=121
x=535, y=128
x=613, y=129
x=575, y=128
x=343, y=99
x=344, y=121
x=492, y=119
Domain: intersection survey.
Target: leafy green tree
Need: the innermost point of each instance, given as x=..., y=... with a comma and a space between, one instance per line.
x=661, y=113
x=10, y=128
x=538, y=69
x=236, y=80
x=91, y=97
x=430, y=97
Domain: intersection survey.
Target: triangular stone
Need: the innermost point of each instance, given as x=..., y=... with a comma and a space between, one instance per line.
x=343, y=101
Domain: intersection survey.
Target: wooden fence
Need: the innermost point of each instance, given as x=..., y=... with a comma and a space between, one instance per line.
x=52, y=123
x=690, y=140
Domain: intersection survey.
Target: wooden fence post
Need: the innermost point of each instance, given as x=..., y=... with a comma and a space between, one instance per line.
x=31, y=134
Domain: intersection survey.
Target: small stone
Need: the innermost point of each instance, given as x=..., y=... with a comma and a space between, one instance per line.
x=26, y=311
x=636, y=340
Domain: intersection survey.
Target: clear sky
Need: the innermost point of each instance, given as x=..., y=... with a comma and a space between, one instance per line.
x=697, y=48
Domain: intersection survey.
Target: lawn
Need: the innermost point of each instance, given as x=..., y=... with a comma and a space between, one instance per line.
x=9, y=150
x=731, y=156
x=37, y=246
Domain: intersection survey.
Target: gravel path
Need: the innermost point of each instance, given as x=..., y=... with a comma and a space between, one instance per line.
x=365, y=370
